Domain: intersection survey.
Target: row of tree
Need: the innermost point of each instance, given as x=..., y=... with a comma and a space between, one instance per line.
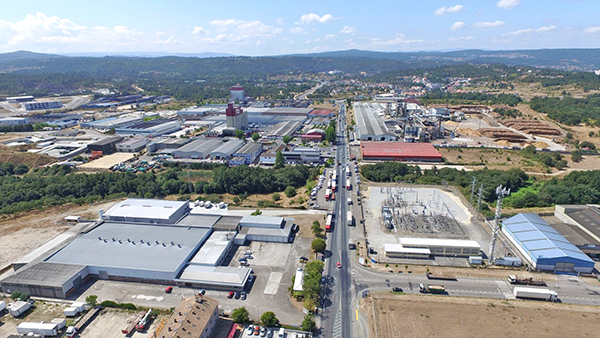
x=568, y=110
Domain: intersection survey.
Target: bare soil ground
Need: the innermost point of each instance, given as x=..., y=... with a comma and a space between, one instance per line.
x=42, y=311
x=10, y=155
x=21, y=234
x=110, y=322
x=431, y=316
x=529, y=90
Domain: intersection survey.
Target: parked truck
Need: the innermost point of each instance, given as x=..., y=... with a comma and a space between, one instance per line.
x=535, y=293
x=439, y=276
x=512, y=279
x=426, y=288
x=349, y=218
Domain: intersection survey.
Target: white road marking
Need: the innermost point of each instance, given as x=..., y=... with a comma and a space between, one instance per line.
x=273, y=283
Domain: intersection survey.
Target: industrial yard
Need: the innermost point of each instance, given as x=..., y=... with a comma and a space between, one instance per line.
x=393, y=316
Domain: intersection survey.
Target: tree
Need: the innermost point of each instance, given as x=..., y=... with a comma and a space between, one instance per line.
x=290, y=191
x=279, y=160
x=239, y=134
x=316, y=229
x=92, y=300
x=269, y=319
x=586, y=144
x=256, y=213
x=330, y=134
x=308, y=324
x=240, y=315
x=576, y=155
x=318, y=245
x=287, y=139
x=255, y=137
x=276, y=197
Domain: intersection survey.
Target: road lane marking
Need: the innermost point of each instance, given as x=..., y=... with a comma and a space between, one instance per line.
x=273, y=283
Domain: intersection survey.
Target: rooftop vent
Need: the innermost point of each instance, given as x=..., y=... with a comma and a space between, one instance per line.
x=148, y=243
x=113, y=239
x=179, y=245
x=157, y=242
x=120, y=242
x=172, y=243
x=99, y=238
x=147, y=206
x=141, y=241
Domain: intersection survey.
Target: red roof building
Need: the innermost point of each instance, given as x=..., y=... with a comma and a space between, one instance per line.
x=399, y=151
x=321, y=113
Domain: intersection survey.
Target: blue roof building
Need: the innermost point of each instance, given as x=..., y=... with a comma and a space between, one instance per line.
x=544, y=247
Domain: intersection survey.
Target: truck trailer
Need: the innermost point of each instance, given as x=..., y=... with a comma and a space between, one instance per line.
x=349, y=218
x=426, y=288
x=512, y=279
x=535, y=293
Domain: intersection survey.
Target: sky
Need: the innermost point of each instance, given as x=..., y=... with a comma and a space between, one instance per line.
x=270, y=27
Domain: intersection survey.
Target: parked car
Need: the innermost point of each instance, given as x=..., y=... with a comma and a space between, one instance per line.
x=263, y=331
x=303, y=259
x=250, y=330
x=243, y=296
x=237, y=295
x=339, y=265
x=230, y=294
x=169, y=289
x=396, y=289
x=256, y=330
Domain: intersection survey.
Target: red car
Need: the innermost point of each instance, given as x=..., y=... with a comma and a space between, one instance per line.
x=231, y=294
x=169, y=289
x=339, y=265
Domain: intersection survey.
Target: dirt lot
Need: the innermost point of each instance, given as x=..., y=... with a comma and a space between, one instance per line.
x=105, y=162
x=43, y=311
x=22, y=234
x=10, y=155
x=110, y=322
x=430, y=316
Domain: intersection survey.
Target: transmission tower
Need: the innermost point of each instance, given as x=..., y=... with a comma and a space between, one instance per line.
x=472, y=191
x=479, y=196
x=501, y=193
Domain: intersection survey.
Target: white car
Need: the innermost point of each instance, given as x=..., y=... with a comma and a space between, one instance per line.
x=250, y=330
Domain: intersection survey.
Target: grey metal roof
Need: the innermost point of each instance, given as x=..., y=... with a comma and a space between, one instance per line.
x=283, y=128
x=540, y=240
x=249, y=148
x=261, y=220
x=283, y=231
x=134, y=247
x=201, y=145
x=228, y=147
x=228, y=222
x=145, y=208
x=202, y=221
x=44, y=274
x=368, y=122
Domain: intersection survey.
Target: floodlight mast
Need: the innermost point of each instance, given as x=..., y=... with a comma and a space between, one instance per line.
x=500, y=193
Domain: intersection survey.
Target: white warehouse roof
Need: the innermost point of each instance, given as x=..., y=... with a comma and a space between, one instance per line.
x=213, y=249
x=215, y=275
x=145, y=208
x=438, y=242
x=398, y=248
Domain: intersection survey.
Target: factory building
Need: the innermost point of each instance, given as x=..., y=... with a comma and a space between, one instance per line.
x=110, y=123
x=437, y=246
x=197, y=149
x=236, y=117
x=585, y=217
x=543, y=247
x=302, y=155
x=46, y=279
x=370, y=125
x=105, y=146
x=281, y=129
x=399, y=151
x=147, y=211
x=19, y=99
x=322, y=113
x=226, y=149
x=195, y=317
x=265, y=229
x=29, y=106
x=313, y=135
x=268, y=157
x=154, y=127
x=13, y=121
x=247, y=154
x=237, y=93
x=166, y=145
x=132, y=145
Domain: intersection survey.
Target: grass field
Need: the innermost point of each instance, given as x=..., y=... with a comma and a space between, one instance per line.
x=416, y=316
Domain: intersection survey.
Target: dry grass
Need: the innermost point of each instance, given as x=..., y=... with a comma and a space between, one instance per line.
x=432, y=316
x=10, y=155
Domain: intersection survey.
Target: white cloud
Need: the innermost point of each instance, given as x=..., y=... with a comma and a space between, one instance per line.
x=458, y=26
x=200, y=31
x=398, y=39
x=530, y=30
x=280, y=21
x=224, y=23
x=315, y=18
x=245, y=29
x=462, y=38
x=508, y=4
x=328, y=37
x=298, y=30
x=349, y=30
x=488, y=24
x=595, y=29
x=447, y=10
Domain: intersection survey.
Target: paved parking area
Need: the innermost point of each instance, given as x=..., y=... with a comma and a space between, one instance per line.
x=265, y=254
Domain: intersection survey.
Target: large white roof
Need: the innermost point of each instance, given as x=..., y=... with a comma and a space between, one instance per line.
x=217, y=275
x=398, y=248
x=213, y=248
x=145, y=208
x=438, y=242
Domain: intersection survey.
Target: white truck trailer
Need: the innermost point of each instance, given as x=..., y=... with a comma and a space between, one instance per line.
x=535, y=293
x=349, y=218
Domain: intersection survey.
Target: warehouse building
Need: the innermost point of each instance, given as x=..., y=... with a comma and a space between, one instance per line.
x=147, y=211
x=370, y=124
x=313, y=135
x=399, y=151
x=13, y=121
x=226, y=149
x=247, y=154
x=585, y=217
x=110, y=123
x=19, y=99
x=105, y=146
x=398, y=251
x=215, y=250
x=195, y=317
x=441, y=246
x=197, y=149
x=302, y=155
x=281, y=129
x=46, y=279
x=29, y=106
x=166, y=145
x=132, y=145
x=265, y=229
x=544, y=247
x=154, y=127
x=268, y=157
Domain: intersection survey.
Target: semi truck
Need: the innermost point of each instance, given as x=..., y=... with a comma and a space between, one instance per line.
x=426, y=288
x=439, y=276
x=349, y=218
x=512, y=279
x=535, y=293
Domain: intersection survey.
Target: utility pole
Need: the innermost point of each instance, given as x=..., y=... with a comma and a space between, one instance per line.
x=479, y=195
x=472, y=190
x=501, y=193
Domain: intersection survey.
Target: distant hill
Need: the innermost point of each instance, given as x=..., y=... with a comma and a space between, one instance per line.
x=151, y=54
x=26, y=55
x=564, y=59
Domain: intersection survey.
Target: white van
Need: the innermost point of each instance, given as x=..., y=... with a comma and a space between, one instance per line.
x=281, y=333
x=349, y=200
